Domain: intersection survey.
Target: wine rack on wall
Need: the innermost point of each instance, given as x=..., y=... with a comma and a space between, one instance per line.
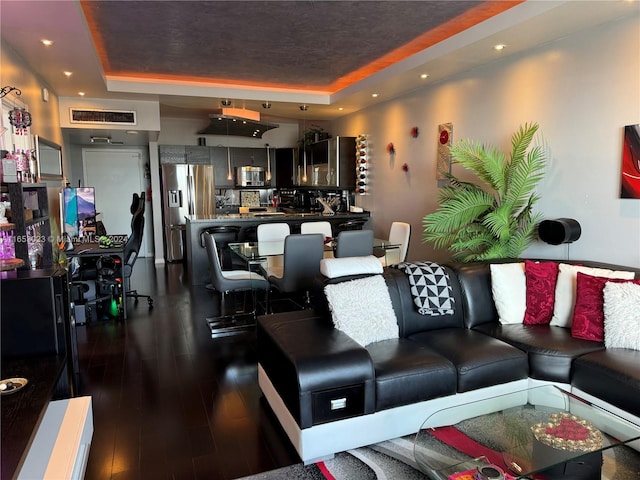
x=362, y=164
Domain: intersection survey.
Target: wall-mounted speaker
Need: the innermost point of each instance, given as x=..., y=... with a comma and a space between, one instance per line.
x=560, y=230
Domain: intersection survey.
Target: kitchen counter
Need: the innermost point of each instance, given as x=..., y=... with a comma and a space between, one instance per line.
x=196, y=256
x=260, y=216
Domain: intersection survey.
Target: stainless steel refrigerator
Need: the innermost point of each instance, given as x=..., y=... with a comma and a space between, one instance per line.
x=186, y=190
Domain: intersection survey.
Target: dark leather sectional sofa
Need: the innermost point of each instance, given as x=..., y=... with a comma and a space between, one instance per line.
x=330, y=394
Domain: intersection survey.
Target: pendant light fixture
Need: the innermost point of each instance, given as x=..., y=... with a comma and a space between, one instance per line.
x=268, y=163
x=229, y=172
x=304, y=145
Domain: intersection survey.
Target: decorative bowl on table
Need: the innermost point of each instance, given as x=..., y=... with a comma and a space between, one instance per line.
x=563, y=438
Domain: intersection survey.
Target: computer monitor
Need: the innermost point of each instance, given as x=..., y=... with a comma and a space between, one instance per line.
x=79, y=211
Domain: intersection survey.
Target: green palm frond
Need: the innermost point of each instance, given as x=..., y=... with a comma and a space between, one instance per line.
x=487, y=164
x=474, y=224
x=524, y=177
x=464, y=208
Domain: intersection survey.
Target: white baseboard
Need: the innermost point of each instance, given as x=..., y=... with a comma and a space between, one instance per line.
x=320, y=441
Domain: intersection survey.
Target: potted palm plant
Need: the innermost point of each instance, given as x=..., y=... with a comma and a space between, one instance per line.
x=476, y=222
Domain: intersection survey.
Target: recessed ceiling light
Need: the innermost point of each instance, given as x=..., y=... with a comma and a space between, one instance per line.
x=340, y=108
x=424, y=75
x=68, y=73
x=374, y=95
x=500, y=46
x=81, y=94
x=46, y=42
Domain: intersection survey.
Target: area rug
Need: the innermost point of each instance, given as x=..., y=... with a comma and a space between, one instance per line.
x=395, y=459
x=392, y=460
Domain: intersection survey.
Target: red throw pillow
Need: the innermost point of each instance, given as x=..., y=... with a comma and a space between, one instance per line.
x=588, y=313
x=541, y=291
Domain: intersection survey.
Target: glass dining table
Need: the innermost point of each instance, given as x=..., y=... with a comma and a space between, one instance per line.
x=255, y=253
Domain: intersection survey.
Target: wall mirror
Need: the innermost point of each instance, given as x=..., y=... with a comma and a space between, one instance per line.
x=49, y=157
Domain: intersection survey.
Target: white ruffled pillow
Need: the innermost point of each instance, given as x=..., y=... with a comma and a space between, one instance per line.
x=362, y=309
x=566, y=289
x=341, y=267
x=509, y=288
x=621, y=315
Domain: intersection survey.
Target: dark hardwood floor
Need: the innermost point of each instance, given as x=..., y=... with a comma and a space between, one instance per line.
x=170, y=402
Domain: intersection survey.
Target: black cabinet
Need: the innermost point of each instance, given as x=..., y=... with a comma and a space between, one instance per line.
x=36, y=319
x=198, y=155
x=286, y=162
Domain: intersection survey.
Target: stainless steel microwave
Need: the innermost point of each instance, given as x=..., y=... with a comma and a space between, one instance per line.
x=250, y=176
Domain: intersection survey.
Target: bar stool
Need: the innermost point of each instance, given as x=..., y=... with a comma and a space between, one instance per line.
x=353, y=224
x=223, y=235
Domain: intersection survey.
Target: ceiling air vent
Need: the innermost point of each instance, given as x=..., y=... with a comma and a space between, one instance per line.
x=103, y=117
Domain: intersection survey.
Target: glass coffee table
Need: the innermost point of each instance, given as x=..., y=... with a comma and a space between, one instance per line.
x=542, y=433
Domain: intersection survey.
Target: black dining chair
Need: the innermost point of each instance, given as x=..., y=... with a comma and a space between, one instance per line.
x=301, y=265
x=354, y=243
x=228, y=281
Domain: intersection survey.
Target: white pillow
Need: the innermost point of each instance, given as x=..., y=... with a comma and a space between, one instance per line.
x=566, y=289
x=509, y=288
x=622, y=315
x=362, y=309
x=340, y=267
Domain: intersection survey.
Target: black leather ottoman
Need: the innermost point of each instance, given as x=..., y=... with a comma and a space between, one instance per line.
x=320, y=373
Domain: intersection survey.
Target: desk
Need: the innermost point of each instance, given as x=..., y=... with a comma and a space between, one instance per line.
x=92, y=249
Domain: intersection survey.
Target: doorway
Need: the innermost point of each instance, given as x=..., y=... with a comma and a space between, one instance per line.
x=116, y=176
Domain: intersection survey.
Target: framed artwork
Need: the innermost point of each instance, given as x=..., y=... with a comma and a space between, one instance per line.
x=630, y=175
x=445, y=138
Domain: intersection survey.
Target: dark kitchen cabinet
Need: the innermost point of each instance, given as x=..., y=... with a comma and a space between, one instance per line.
x=286, y=162
x=172, y=154
x=220, y=167
x=198, y=155
x=329, y=163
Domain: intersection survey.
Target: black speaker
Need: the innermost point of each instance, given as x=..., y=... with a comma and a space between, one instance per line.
x=560, y=230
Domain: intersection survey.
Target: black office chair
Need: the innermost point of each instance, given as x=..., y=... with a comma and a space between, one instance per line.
x=301, y=265
x=354, y=243
x=132, y=247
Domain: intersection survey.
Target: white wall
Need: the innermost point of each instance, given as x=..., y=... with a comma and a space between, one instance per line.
x=44, y=115
x=582, y=90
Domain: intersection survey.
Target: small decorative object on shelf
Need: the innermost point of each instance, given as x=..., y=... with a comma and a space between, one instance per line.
x=415, y=131
x=362, y=164
x=7, y=89
x=405, y=167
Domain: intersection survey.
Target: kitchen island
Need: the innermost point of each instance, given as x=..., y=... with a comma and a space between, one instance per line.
x=196, y=254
